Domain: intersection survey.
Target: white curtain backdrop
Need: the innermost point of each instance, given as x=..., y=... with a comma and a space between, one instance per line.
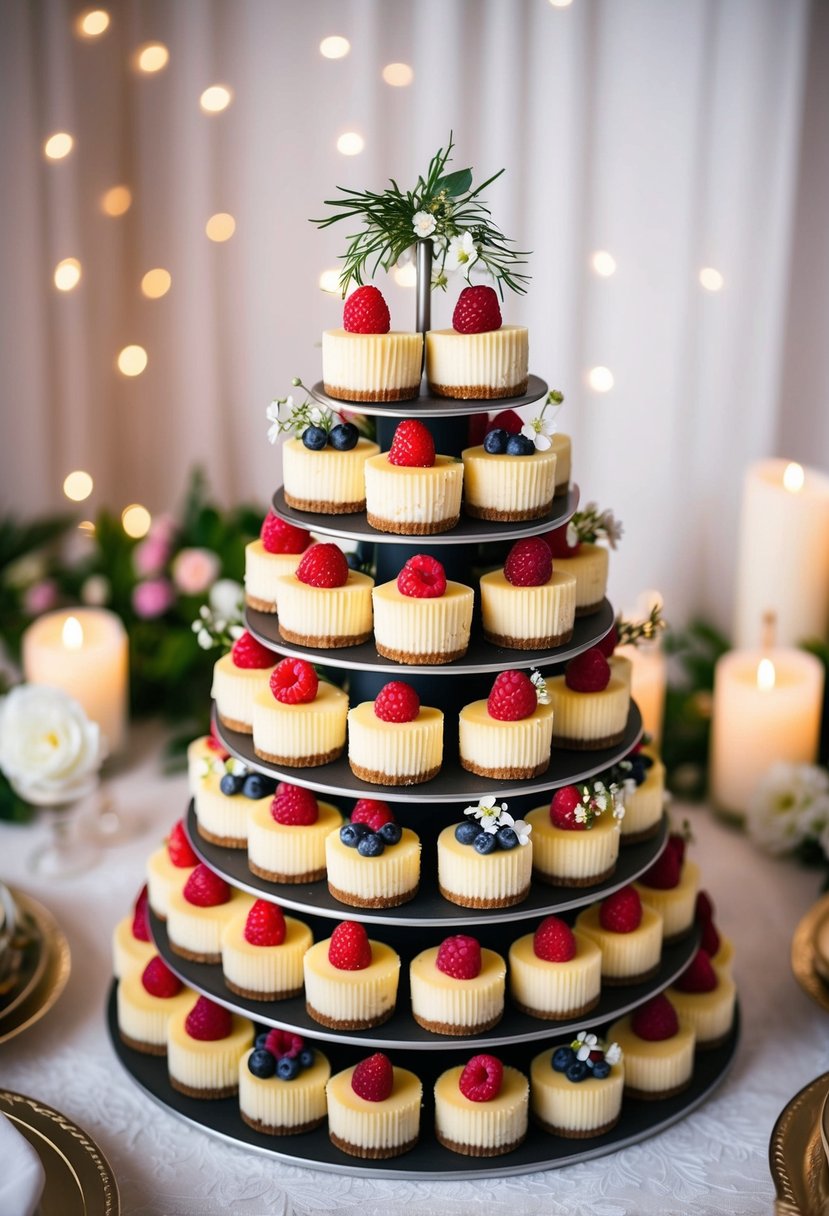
x=675, y=135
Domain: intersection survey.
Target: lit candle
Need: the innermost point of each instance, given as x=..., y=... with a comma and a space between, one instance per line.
x=783, y=562
x=83, y=651
x=648, y=679
x=767, y=706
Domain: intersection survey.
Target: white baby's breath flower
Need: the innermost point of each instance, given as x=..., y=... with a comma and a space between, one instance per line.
x=572, y=535
x=522, y=830
x=613, y=1053
x=226, y=597
x=236, y=632
x=541, y=690
x=49, y=750
x=235, y=767
x=539, y=431
x=272, y=415
x=613, y=528
x=788, y=801
x=423, y=223
x=462, y=253
x=204, y=639
x=580, y=813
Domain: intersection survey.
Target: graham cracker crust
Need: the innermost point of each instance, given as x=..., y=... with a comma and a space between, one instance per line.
x=148, y=1049
x=253, y=601
x=355, y=1024
x=183, y=952
x=505, y=774
x=267, y=1130
x=479, y=1150
x=372, y=394
x=227, y=842
x=377, y=778
x=546, y=1016
x=556, y=880
x=243, y=728
x=513, y=643
x=371, y=1154
x=300, y=761
x=360, y=901
x=324, y=643
x=677, y=937
x=446, y=1028
x=646, y=1096
x=589, y=609
x=275, y=876
x=411, y=528
x=638, y=837
x=254, y=995
x=319, y=507
x=625, y=981
x=479, y=392
x=432, y=659
x=711, y=1044
x=228, y=1091
x=588, y=745
x=475, y=901
x=561, y=491
x=569, y=1134
x=508, y=516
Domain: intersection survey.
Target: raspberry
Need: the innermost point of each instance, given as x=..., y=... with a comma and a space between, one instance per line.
x=553, y=941
x=655, y=1020
x=215, y=743
x=349, y=948
x=323, y=566
x=677, y=843
x=710, y=939
x=477, y=311
x=205, y=888
x=588, y=671
x=280, y=537
x=665, y=872
x=366, y=312
x=699, y=975
x=512, y=697
x=412, y=446
x=481, y=1079
x=397, y=702
x=609, y=642
x=248, y=653
x=140, y=919
x=563, y=809
x=529, y=563
x=507, y=420
x=559, y=546
x=284, y=1043
x=159, y=980
x=208, y=1021
x=265, y=924
x=179, y=848
x=422, y=578
x=478, y=427
x=372, y=813
x=373, y=1078
x=703, y=908
x=294, y=682
x=460, y=957
x=621, y=912
x=294, y=806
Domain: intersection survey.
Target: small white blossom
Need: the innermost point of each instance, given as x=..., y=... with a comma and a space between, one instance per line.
x=539, y=431
x=613, y=1053
x=462, y=253
x=272, y=415
x=583, y=1045
x=522, y=830
x=541, y=690
x=235, y=767
x=572, y=535
x=489, y=813
x=423, y=223
x=613, y=528
x=580, y=813
x=788, y=804
x=204, y=639
x=236, y=632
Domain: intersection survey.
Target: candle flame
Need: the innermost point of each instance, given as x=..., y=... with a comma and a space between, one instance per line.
x=793, y=477
x=766, y=675
x=72, y=633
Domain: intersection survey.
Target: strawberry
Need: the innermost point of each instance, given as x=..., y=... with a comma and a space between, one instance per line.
x=246, y=652
x=529, y=563
x=284, y=1043
x=665, y=872
x=655, y=1020
x=481, y=1079
x=609, y=642
x=678, y=843
x=460, y=957
x=699, y=975
x=294, y=682
x=323, y=566
x=703, y=908
x=507, y=420
x=158, y=979
x=294, y=806
x=512, y=697
x=563, y=809
x=412, y=446
x=208, y=1021
x=477, y=311
x=349, y=948
x=205, y=888
x=278, y=536
x=621, y=912
x=265, y=924
x=140, y=918
x=710, y=939
x=553, y=941
x=588, y=671
x=366, y=312
x=372, y=813
x=422, y=578
x=559, y=545
x=478, y=427
x=397, y=702
x=179, y=848
x=373, y=1078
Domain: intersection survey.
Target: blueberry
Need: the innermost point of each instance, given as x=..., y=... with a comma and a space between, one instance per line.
x=506, y=838
x=371, y=846
x=466, y=832
x=257, y=786
x=231, y=784
x=484, y=843
x=261, y=1040
x=306, y=1057
x=601, y=1069
x=520, y=445
x=261, y=1063
x=563, y=1057
x=350, y=836
x=344, y=437
x=637, y=772
x=645, y=761
x=390, y=833
x=315, y=438
x=577, y=1071
x=287, y=1068
x=354, y=561
x=495, y=442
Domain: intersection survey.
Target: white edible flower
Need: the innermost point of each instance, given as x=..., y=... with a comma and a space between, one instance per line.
x=580, y=813
x=204, y=638
x=236, y=632
x=787, y=805
x=96, y=590
x=235, y=767
x=613, y=1053
x=49, y=750
x=572, y=535
x=423, y=223
x=204, y=767
x=226, y=597
x=272, y=415
x=522, y=830
x=539, y=431
x=584, y=1044
x=462, y=253
x=489, y=813
x=613, y=528
x=541, y=690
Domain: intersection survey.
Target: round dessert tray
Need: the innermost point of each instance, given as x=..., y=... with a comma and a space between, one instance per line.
x=452, y=784
x=425, y=405
x=428, y=1160
x=481, y=657
x=401, y=1031
x=467, y=531
x=428, y=905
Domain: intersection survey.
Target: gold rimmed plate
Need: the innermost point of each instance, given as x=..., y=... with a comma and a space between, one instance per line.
x=797, y=1158
x=32, y=969
x=45, y=993
x=807, y=963
x=79, y=1179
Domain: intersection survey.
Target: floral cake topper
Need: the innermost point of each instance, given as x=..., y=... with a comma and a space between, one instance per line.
x=591, y=525
x=492, y=815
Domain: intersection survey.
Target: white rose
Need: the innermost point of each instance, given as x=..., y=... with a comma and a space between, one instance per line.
x=226, y=597
x=423, y=223
x=49, y=750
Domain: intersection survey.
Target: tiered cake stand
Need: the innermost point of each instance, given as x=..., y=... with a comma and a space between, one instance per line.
x=425, y=921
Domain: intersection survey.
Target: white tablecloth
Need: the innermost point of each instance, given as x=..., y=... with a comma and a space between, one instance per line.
x=713, y=1161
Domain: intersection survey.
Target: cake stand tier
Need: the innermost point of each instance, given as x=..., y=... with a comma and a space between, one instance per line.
x=428, y=908
x=428, y=1160
x=401, y=1031
x=425, y=405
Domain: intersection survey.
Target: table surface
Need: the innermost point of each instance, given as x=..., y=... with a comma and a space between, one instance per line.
x=713, y=1161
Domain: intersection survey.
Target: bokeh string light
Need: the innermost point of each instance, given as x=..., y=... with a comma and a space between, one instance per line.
x=77, y=485
x=398, y=75
x=152, y=57
x=67, y=274
x=603, y=263
x=92, y=22
x=156, y=283
x=136, y=520
x=57, y=146
x=711, y=279
x=220, y=227
x=335, y=47
x=216, y=98
x=329, y=281
x=600, y=379
x=350, y=143
x=116, y=201
x=132, y=360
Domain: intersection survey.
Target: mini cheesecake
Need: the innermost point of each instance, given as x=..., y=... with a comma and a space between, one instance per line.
x=478, y=366
x=374, y=1130
x=473, y=880
x=505, y=750
x=351, y=1000
x=676, y=904
x=292, y=853
x=386, y=881
x=508, y=488
x=168, y=869
x=200, y=755
x=655, y=1069
x=481, y=1129
x=555, y=990
x=262, y=573
x=627, y=958
x=143, y=1017
x=327, y=482
x=264, y=973
x=371, y=367
x=574, y=1109
x=302, y=735
x=234, y=690
x=644, y=804
x=711, y=1014
x=562, y=447
x=129, y=953
x=577, y=857
x=588, y=721
x=325, y=617
x=279, y=1107
x=223, y=818
x=195, y=931
x=429, y=630
x=394, y=753
x=589, y=566
x=446, y=1005
x=723, y=960
x=206, y=1068
x=411, y=500
x=528, y=618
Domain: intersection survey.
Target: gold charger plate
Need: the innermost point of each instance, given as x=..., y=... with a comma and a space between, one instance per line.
x=79, y=1179
x=55, y=975
x=37, y=956
x=797, y=1159
x=805, y=959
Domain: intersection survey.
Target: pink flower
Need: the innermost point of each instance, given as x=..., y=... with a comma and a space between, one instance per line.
x=151, y=555
x=40, y=597
x=152, y=598
x=194, y=570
